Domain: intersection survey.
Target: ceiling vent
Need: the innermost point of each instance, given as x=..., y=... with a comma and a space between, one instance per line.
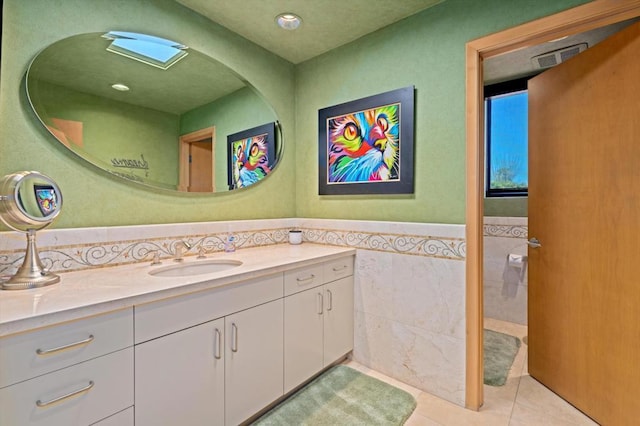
x=556, y=57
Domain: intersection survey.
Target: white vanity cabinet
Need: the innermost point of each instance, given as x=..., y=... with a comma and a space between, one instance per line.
x=318, y=318
x=71, y=374
x=213, y=357
x=214, y=352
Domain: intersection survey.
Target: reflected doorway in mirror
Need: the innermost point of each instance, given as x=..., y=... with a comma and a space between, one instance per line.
x=197, y=161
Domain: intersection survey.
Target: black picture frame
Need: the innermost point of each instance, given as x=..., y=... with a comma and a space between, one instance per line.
x=234, y=179
x=336, y=171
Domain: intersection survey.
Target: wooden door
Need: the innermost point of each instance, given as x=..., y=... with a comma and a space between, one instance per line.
x=584, y=201
x=201, y=166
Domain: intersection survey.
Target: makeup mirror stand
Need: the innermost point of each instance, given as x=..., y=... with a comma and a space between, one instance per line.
x=19, y=214
x=32, y=273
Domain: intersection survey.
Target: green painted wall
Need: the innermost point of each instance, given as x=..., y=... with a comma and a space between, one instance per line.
x=113, y=129
x=511, y=207
x=93, y=197
x=225, y=115
x=427, y=51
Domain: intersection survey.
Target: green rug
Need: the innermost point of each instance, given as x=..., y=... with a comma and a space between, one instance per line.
x=499, y=352
x=343, y=396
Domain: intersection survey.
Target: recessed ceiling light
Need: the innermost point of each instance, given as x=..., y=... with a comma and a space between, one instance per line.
x=120, y=87
x=288, y=21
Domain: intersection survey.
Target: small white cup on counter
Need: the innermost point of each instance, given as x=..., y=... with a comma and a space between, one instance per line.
x=295, y=236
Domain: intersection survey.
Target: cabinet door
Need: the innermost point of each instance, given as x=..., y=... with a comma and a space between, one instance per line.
x=338, y=319
x=303, y=317
x=253, y=360
x=179, y=378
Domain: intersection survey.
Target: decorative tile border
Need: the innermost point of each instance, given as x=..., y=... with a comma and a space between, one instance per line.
x=507, y=231
x=440, y=247
x=76, y=257
x=506, y=227
x=71, y=250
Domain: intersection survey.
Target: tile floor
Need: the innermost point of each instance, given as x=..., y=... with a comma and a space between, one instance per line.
x=522, y=401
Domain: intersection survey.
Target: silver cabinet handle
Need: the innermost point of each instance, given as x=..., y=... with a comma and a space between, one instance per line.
x=309, y=278
x=320, y=304
x=63, y=397
x=217, y=353
x=330, y=304
x=65, y=347
x=342, y=268
x=234, y=337
x=534, y=243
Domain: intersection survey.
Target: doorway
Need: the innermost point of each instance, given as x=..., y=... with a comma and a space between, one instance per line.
x=572, y=21
x=197, y=161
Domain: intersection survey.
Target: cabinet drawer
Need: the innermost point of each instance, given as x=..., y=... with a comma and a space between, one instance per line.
x=303, y=278
x=108, y=384
x=27, y=355
x=168, y=316
x=337, y=269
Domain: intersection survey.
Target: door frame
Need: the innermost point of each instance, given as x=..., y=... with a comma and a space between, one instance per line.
x=183, y=148
x=572, y=21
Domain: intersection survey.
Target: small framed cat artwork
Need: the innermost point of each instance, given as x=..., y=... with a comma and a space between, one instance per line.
x=366, y=145
x=250, y=155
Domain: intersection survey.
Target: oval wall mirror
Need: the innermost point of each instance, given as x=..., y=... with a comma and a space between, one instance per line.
x=154, y=112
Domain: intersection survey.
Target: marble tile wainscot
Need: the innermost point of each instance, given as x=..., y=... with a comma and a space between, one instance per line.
x=409, y=299
x=504, y=299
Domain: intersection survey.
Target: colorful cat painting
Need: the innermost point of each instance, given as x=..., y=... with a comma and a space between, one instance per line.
x=250, y=161
x=364, y=146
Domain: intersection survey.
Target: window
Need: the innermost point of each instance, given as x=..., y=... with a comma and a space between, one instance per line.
x=506, y=139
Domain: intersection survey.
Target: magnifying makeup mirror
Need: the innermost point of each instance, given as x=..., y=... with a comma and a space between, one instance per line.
x=29, y=201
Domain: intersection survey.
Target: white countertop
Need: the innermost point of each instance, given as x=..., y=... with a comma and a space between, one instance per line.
x=96, y=291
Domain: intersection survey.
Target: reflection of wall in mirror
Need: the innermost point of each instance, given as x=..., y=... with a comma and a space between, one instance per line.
x=240, y=110
x=113, y=129
x=37, y=199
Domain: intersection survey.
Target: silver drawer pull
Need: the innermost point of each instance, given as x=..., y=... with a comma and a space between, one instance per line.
x=65, y=347
x=342, y=268
x=309, y=278
x=63, y=397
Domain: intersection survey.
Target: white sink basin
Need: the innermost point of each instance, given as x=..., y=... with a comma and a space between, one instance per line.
x=196, y=268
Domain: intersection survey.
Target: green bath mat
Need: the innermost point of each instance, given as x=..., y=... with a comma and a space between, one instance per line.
x=499, y=352
x=343, y=396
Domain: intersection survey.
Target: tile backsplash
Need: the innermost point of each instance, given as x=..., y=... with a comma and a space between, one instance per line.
x=83, y=248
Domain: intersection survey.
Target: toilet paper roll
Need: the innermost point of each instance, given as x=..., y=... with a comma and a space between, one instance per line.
x=516, y=260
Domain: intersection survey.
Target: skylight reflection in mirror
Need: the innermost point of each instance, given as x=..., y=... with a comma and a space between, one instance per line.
x=154, y=51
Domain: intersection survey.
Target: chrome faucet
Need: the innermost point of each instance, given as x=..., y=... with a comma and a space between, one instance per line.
x=179, y=246
x=156, y=257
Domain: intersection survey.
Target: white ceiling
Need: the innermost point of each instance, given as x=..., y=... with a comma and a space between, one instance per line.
x=326, y=24
x=518, y=63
